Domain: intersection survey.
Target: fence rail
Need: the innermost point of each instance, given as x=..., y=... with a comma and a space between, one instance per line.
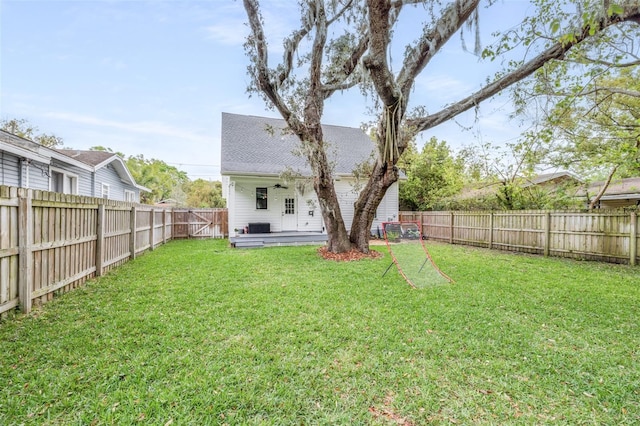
x=52, y=242
x=609, y=236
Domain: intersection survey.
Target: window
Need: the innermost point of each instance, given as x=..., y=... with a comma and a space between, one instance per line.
x=129, y=196
x=289, y=206
x=105, y=190
x=63, y=182
x=261, y=198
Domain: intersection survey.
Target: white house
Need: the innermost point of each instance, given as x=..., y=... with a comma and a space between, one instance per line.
x=26, y=164
x=256, y=154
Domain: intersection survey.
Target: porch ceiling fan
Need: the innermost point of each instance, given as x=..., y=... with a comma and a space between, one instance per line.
x=279, y=186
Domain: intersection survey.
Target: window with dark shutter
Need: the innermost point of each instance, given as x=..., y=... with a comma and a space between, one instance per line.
x=261, y=198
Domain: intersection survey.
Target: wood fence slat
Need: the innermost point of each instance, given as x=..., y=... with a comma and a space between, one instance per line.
x=53, y=242
x=610, y=236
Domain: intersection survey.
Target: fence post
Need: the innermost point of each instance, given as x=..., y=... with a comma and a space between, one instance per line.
x=100, y=240
x=25, y=237
x=547, y=234
x=152, y=231
x=164, y=226
x=633, y=243
x=451, y=229
x=132, y=235
x=491, y=219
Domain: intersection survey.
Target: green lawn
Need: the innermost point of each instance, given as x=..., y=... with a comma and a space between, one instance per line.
x=196, y=333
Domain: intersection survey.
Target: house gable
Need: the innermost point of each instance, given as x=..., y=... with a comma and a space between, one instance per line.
x=261, y=146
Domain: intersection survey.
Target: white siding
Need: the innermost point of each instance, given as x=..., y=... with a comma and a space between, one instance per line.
x=241, y=202
x=242, y=205
x=387, y=210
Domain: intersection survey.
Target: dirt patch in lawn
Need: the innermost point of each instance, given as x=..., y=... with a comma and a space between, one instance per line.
x=349, y=256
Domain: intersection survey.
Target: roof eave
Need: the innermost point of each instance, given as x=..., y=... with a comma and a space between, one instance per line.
x=25, y=153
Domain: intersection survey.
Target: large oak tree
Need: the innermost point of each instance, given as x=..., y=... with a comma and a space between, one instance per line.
x=346, y=43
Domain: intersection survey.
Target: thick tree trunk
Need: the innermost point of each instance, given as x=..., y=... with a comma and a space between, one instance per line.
x=338, y=238
x=383, y=176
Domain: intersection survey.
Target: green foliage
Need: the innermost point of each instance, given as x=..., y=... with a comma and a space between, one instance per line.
x=21, y=127
x=597, y=129
x=204, y=193
x=164, y=181
x=432, y=175
x=196, y=333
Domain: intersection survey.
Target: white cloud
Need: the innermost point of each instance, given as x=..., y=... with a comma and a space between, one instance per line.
x=231, y=32
x=144, y=127
x=443, y=86
x=113, y=63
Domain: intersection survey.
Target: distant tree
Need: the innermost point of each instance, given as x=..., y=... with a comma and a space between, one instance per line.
x=106, y=149
x=596, y=129
x=433, y=174
x=164, y=181
x=502, y=177
x=204, y=193
x=21, y=127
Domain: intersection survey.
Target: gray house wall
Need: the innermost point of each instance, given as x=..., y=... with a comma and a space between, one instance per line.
x=9, y=169
x=31, y=173
x=84, y=177
x=38, y=174
x=108, y=175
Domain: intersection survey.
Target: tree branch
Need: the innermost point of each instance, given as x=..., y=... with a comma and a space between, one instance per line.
x=603, y=189
x=262, y=74
x=314, y=100
x=433, y=39
x=557, y=51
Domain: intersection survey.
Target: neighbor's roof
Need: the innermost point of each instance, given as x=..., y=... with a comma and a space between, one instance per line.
x=23, y=147
x=100, y=159
x=546, y=177
x=628, y=188
x=250, y=148
x=92, y=158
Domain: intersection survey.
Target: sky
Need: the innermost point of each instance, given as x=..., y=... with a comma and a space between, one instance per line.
x=152, y=78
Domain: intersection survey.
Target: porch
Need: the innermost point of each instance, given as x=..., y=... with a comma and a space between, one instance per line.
x=291, y=238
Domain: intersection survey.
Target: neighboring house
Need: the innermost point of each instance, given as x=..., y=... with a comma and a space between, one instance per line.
x=257, y=151
x=620, y=193
x=484, y=193
x=553, y=180
x=26, y=164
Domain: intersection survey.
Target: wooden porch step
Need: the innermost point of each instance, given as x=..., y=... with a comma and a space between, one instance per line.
x=249, y=243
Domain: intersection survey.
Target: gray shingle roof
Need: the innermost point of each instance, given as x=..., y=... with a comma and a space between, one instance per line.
x=617, y=187
x=248, y=147
x=92, y=158
x=18, y=141
x=546, y=177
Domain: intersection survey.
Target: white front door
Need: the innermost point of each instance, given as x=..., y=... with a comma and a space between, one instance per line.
x=289, y=213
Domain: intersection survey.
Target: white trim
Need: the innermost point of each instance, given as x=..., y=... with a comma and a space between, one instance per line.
x=23, y=152
x=105, y=189
x=74, y=180
x=129, y=195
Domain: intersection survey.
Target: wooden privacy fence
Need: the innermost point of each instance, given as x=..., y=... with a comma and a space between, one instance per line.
x=607, y=235
x=52, y=242
x=200, y=223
